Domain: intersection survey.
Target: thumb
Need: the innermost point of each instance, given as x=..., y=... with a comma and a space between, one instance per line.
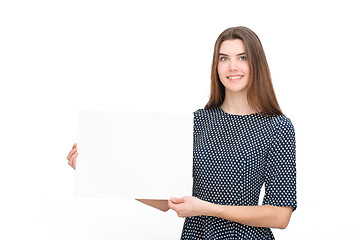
x=176, y=200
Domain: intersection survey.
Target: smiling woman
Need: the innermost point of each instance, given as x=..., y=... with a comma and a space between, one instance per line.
x=245, y=46
x=242, y=141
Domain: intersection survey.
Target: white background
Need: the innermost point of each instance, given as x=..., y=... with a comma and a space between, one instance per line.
x=58, y=57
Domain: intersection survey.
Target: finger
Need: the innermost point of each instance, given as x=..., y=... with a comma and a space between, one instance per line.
x=73, y=164
x=75, y=156
x=176, y=200
x=71, y=151
x=72, y=160
x=170, y=205
x=173, y=206
x=74, y=150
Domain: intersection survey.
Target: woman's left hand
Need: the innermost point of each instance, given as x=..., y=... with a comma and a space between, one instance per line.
x=189, y=206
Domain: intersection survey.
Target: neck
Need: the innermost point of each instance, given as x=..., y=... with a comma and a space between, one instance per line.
x=235, y=103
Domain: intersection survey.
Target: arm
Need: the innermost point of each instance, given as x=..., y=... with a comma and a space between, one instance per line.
x=257, y=216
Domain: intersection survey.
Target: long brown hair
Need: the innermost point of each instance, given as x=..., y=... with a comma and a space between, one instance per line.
x=260, y=93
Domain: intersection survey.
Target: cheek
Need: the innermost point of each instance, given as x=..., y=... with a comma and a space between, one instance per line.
x=221, y=69
x=246, y=67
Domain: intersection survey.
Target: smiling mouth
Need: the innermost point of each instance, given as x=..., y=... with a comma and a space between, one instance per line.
x=235, y=77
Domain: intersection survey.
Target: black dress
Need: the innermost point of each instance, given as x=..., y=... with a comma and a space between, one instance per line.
x=234, y=155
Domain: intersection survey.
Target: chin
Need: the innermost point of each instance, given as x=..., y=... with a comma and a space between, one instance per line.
x=236, y=90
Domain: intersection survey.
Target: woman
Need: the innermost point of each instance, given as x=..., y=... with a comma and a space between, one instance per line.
x=242, y=140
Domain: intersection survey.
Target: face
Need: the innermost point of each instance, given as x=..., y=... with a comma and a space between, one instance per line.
x=233, y=67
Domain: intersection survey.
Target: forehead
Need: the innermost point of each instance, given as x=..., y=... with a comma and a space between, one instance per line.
x=233, y=46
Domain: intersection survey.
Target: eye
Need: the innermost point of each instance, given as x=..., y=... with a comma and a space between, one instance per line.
x=223, y=59
x=242, y=58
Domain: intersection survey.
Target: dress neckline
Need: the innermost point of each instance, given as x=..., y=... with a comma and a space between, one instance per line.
x=237, y=115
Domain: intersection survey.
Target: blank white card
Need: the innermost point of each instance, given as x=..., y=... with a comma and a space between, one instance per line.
x=134, y=155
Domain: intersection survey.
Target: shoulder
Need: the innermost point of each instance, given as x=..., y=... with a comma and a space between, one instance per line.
x=205, y=117
x=282, y=127
x=281, y=122
x=206, y=114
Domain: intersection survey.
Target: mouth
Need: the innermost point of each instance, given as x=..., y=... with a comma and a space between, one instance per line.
x=235, y=77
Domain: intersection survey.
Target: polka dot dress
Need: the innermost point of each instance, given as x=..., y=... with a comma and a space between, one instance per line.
x=234, y=155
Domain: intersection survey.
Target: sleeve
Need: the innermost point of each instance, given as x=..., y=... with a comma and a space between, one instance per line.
x=280, y=169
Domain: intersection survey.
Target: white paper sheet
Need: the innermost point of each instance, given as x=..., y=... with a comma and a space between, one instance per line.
x=134, y=155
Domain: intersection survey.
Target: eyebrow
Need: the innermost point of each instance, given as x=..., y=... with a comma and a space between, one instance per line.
x=228, y=55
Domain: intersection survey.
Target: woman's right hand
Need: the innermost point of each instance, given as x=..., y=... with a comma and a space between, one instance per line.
x=72, y=156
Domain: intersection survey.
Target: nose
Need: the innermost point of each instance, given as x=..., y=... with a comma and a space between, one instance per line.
x=233, y=66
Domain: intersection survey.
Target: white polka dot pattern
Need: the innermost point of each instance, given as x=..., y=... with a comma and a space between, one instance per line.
x=234, y=155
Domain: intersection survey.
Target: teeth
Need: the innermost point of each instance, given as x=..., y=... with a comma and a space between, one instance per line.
x=237, y=77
